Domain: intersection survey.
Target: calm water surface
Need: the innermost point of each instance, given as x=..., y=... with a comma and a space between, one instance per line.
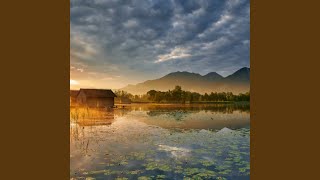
x=161, y=142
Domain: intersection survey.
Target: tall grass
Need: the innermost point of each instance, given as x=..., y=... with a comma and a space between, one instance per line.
x=91, y=116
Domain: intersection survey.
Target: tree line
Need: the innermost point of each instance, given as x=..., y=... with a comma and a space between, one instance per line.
x=181, y=96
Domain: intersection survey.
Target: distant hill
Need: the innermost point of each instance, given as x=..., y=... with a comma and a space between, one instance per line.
x=238, y=82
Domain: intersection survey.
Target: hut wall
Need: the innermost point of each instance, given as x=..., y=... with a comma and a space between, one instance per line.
x=100, y=102
x=73, y=101
x=81, y=98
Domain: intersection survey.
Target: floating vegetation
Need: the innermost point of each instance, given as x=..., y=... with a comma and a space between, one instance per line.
x=197, y=173
x=108, y=172
x=121, y=178
x=135, y=172
x=207, y=162
x=96, y=172
x=221, y=178
x=157, y=165
x=123, y=163
x=225, y=172
x=137, y=155
x=161, y=176
x=144, y=178
x=191, y=171
x=178, y=169
x=90, y=178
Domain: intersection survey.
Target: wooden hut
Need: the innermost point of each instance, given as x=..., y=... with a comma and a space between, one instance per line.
x=96, y=97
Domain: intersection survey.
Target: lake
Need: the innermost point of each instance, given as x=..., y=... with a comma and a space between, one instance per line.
x=143, y=141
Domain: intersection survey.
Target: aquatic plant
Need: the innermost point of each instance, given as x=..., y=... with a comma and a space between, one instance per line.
x=225, y=172
x=121, y=178
x=206, y=174
x=144, y=178
x=191, y=171
x=162, y=176
x=157, y=165
x=178, y=169
x=207, y=162
x=90, y=178
x=137, y=155
x=108, y=172
x=221, y=178
x=135, y=172
x=96, y=172
x=124, y=162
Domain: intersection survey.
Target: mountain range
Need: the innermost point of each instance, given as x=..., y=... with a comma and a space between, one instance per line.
x=238, y=82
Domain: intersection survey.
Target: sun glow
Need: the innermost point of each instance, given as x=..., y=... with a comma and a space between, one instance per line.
x=73, y=82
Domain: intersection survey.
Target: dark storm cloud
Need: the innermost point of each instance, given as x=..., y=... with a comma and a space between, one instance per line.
x=148, y=38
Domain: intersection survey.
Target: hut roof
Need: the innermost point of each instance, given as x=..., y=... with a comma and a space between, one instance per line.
x=98, y=93
x=74, y=93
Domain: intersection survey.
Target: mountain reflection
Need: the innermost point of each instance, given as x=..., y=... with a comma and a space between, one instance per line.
x=193, y=116
x=198, y=116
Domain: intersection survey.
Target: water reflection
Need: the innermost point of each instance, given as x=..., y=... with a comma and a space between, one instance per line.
x=200, y=116
x=221, y=108
x=160, y=142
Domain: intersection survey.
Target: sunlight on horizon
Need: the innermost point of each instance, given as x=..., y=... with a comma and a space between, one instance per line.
x=73, y=82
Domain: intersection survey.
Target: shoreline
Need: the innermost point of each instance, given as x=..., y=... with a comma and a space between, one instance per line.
x=221, y=103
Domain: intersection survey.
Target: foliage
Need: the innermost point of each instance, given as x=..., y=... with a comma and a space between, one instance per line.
x=180, y=96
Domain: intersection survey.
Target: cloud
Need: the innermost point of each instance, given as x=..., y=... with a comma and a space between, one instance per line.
x=79, y=69
x=127, y=37
x=130, y=23
x=176, y=53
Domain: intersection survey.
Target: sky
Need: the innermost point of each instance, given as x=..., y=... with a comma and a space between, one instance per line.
x=114, y=43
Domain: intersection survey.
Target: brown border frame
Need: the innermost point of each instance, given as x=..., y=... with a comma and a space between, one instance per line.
x=284, y=94
x=35, y=89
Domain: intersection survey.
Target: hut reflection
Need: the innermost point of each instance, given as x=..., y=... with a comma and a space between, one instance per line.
x=85, y=125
